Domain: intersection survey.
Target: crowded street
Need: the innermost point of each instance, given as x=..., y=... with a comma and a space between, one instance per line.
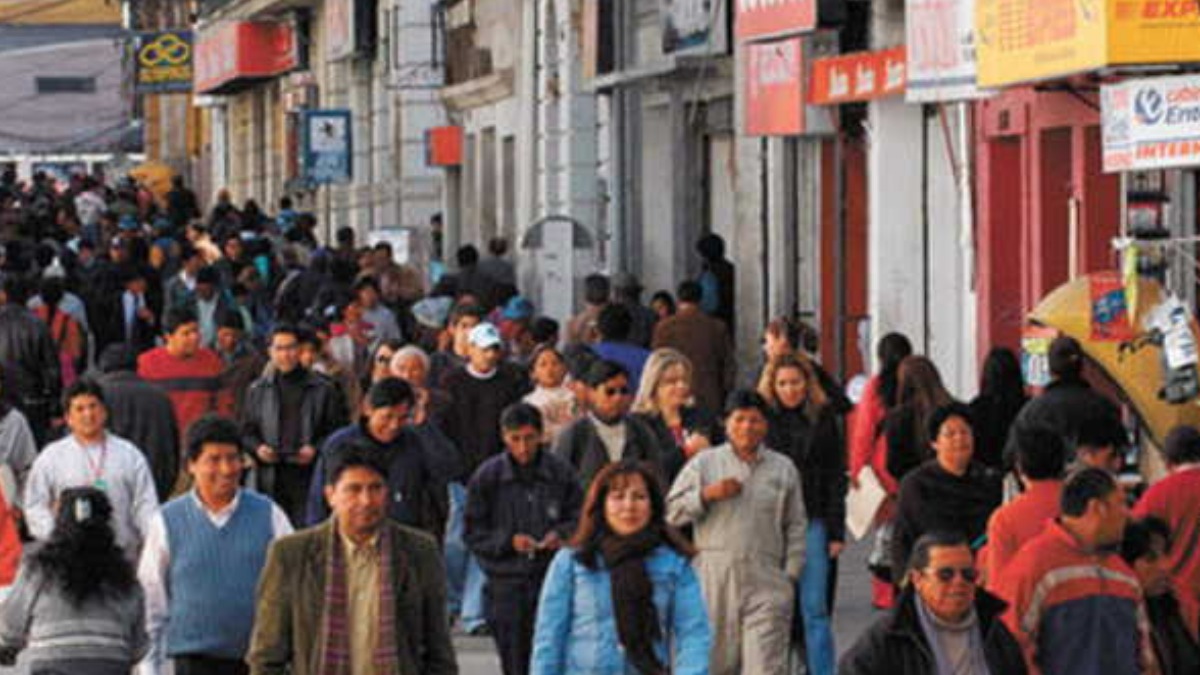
x=599, y=337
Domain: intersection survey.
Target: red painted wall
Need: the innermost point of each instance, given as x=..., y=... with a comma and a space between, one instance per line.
x=855, y=268
x=1037, y=151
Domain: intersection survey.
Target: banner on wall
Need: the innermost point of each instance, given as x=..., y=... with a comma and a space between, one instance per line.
x=757, y=19
x=1151, y=123
x=940, y=37
x=693, y=26
x=858, y=76
x=774, y=96
x=327, y=146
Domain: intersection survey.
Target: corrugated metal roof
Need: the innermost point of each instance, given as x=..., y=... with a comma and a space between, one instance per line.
x=25, y=37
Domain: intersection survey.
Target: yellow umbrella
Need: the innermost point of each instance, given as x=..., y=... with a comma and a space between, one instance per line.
x=1138, y=373
x=156, y=177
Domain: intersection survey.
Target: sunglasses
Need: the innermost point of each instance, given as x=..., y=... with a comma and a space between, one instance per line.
x=615, y=391
x=947, y=574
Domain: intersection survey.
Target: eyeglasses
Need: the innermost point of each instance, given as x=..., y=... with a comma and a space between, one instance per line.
x=383, y=358
x=615, y=391
x=947, y=574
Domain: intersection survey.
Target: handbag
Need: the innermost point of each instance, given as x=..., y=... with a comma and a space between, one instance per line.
x=879, y=559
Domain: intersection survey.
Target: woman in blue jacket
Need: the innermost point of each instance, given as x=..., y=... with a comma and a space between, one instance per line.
x=623, y=600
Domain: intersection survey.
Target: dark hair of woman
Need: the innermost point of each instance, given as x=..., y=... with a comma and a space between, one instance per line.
x=892, y=349
x=81, y=557
x=922, y=390
x=593, y=527
x=1002, y=383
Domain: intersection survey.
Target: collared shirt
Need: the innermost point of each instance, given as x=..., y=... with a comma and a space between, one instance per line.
x=154, y=570
x=115, y=465
x=362, y=595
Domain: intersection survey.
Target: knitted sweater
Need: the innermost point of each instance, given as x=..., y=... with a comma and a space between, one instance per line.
x=38, y=618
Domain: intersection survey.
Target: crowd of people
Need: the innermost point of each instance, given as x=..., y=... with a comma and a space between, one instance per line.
x=227, y=448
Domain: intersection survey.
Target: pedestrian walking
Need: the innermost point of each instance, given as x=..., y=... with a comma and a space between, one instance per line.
x=1075, y=607
x=552, y=397
x=1040, y=470
x=623, y=598
x=614, y=324
x=905, y=427
x=597, y=292
x=202, y=557
x=608, y=433
x=803, y=425
x=91, y=456
x=521, y=508
x=356, y=594
x=76, y=606
x=666, y=404
x=949, y=493
x=1174, y=615
x=746, y=506
x=288, y=414
x=1001, y=397
x=1176, y=500
x=705, y=341
x=943, y=624
x=31, y=362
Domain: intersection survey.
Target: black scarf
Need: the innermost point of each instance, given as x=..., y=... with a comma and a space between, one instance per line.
x=633, y=597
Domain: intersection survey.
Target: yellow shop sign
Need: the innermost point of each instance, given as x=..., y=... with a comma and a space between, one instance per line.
x=1031, y=40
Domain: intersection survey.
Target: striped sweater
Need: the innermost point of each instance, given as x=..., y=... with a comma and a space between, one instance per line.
x=1075, y=611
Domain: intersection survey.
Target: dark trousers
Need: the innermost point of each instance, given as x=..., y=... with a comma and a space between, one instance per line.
x=208, y=665
x=510, y=606
x=287, y=485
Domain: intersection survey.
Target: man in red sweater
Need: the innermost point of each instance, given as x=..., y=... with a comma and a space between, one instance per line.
x=1176, y=499
x=1040, y=462
x=188, y=373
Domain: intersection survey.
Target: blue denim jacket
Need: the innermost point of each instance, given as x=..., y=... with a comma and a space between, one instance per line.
x=577, y=633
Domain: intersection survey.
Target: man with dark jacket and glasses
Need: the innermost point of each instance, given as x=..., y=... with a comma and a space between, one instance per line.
x=942, y=623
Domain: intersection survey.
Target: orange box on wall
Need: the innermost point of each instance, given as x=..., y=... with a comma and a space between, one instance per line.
x=444, y=146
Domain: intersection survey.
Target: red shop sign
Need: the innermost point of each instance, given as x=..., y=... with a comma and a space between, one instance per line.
x=861, y=76
x=766, y=18
x=238, y=50
x=774, y=84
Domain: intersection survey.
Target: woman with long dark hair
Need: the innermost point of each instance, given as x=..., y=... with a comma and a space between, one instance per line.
x=921, y=392
x=1001, y=397
x=76, y=607
x=623, y=598
x=868, y=448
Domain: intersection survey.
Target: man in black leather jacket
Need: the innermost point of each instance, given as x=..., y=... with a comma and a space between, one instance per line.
x=29, y=359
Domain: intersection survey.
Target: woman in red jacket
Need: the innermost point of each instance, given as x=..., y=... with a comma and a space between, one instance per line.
x=867, y=444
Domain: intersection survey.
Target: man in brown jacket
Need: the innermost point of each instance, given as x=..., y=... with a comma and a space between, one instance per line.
x=706, y=343
x=357, y=594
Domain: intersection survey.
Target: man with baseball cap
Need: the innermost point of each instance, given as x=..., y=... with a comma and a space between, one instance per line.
x=480, y=390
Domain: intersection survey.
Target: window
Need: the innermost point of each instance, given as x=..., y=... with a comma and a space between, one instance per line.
x=65, y=85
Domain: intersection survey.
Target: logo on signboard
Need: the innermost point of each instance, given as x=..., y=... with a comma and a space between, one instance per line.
x=164, y=62
x=1149, y=106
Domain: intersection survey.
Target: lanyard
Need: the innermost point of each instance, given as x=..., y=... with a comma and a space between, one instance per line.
x=97, y=468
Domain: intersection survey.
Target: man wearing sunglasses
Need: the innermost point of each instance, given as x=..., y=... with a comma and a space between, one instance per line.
x=608, y=433
x=942, y=624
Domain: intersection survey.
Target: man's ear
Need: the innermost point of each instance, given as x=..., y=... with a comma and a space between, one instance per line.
x=328, y=490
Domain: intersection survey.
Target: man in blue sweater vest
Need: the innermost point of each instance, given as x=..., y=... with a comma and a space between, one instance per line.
x=202, y=559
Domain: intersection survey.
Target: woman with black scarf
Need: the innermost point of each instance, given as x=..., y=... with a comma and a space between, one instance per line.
x=623, y=598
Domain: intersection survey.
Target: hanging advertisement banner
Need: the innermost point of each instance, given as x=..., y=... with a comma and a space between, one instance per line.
x=163, y=62
x=693, y=26
x=757, y=19
x=774, y=96
x=1024, y=41
x=859, y=76
x=1110, y=314
x=339, y=29
x=327, y=147
x=940, y=36
x=242, y=50
x=1151, y=123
